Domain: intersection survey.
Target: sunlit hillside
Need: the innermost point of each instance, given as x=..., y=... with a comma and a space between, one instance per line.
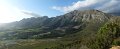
x=59, y=24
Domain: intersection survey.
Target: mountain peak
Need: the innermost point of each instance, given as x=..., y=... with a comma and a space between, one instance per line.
x=87, y=11
x=87, y=15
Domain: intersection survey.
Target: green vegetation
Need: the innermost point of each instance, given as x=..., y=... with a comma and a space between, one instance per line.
x=69, y=31
x=106, y=36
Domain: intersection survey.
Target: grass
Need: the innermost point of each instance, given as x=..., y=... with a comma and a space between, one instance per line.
x=30, y=44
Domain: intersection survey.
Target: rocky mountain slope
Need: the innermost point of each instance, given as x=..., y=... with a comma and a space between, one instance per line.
x=67, y=24
x=89, y=29
x=75, y=17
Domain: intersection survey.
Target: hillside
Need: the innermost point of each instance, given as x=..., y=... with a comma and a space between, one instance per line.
x=45, y=27
x=89, y=29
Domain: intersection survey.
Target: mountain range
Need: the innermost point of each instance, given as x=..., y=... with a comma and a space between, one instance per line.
x=88, y=29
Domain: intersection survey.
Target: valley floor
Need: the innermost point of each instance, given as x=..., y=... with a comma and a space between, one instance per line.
x=27, y=44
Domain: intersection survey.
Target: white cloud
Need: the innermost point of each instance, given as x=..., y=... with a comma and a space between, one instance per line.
x=104, y=5
x=30, y=13
x=75, y=5
x=111, y=6
x=10, y=13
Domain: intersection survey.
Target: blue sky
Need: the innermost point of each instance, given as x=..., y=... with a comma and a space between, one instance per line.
x=14, y=10
x=42, y=7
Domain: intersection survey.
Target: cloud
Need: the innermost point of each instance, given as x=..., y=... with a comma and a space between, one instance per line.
x=103, y=5
x=30, y=13
x=10, y=13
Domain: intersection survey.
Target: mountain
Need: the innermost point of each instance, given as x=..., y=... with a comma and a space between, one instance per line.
x=88, y=29
x=75, y=16
x=68, y=23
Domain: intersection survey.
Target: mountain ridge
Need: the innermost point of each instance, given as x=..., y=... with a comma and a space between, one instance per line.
x=68, y=23
x=90, y=29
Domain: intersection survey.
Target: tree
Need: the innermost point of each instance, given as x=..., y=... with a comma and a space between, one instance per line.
x=106, y=35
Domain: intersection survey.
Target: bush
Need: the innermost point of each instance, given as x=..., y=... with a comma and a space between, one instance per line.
x=105, y=36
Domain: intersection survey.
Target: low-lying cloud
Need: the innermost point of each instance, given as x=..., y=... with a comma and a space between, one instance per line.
x=30, y=13
x=109, y=6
